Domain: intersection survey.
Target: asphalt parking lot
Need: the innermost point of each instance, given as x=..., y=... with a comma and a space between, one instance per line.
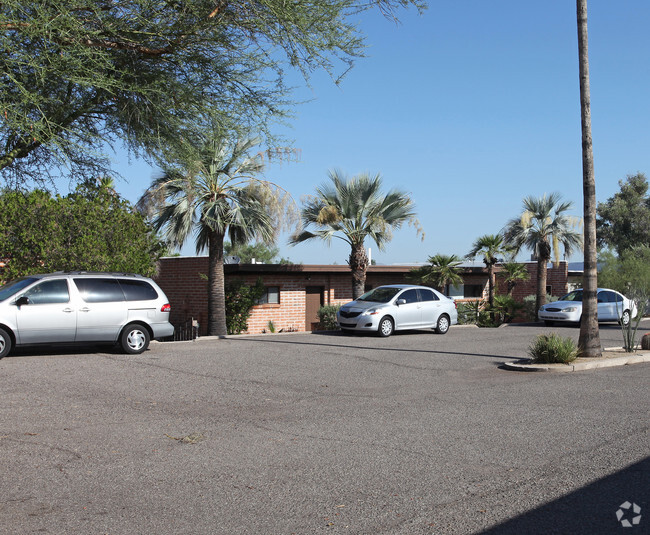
x=322, y=433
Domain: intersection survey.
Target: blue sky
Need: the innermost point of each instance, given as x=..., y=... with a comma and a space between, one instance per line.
x=469, y=107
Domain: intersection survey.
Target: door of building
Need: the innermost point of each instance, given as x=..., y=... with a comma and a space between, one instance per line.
x=313, y=301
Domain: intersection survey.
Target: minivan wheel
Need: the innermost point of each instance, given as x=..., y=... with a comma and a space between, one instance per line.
x=5, y=343
x=386, y=327
x=135, y=339
x=443, y=324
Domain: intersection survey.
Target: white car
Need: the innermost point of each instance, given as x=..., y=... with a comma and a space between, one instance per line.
x=398, y=307
x=612, y=306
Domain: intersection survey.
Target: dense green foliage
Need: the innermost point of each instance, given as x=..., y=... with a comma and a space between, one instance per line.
x=551, y=348
x=260, y=252
x=327, y=317
x=78, y=74
x=624, y=219
x=240, y=298
x=629, y=271
x=91, y=229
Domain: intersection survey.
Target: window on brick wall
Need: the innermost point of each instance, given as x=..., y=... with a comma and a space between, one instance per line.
x=271, y=296
x=466, y=290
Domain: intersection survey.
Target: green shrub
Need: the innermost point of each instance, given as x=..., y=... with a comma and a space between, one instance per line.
x=240, y=298
x=530, y=312
x=327, y=317
x=468, y=312
x=505, y=308
x=551, y=348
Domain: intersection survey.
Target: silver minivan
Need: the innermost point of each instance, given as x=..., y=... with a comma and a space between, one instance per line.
x=83, y=307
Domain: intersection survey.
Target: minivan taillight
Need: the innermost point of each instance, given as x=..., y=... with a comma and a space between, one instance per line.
x=166, y=307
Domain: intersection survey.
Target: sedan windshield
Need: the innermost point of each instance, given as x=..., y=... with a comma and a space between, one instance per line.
x=380, y=295
x=13, y=287
x=576, y=295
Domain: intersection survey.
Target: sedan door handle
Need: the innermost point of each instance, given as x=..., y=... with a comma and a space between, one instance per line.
x=67, y=310
x=84, y=309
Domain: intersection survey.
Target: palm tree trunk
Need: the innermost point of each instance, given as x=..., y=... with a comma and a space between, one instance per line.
x=491, y=284
x=542, y=263
x=358, y=265
x=589, y=340
x=216, y=284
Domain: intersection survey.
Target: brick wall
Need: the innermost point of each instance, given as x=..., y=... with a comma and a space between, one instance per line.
x=183, y=280
x=556, y=278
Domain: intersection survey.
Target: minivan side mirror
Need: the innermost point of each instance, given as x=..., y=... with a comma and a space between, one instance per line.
x=22, y=300
x=401, y=302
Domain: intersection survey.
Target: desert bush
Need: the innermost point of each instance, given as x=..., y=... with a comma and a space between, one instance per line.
x=327, y=317
x=468, y=312
x=551, y=348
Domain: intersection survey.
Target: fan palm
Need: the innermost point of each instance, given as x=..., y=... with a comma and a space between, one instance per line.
x=490, y=246
x=545, y=228
x=441, y=271
x=513, y=272
x=352, y=210
x=213, y=196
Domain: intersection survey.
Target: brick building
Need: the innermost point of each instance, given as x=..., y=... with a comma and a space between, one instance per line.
x=295, y=292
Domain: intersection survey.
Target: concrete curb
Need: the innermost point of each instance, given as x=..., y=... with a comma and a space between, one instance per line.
x=522, y=365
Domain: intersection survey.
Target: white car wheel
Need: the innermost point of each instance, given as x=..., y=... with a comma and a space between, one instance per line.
x=625, y=317
x=386, y=327
x=443, y=324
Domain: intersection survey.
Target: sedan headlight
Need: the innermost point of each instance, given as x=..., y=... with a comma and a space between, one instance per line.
x=570, y=309
x=370, y=312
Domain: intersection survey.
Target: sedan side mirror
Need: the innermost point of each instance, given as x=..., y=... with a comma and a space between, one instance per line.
x=401, y=302
x=22, y=300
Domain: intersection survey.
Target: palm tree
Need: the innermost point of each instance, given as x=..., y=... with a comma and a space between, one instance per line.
x=589, y=340
x=490, y=246
x=513, y=272
x=352, y=210
x=544, y=228
x=214, y=195
x=442, y=271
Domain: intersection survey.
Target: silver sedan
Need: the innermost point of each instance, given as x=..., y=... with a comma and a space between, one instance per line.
x=398, y=307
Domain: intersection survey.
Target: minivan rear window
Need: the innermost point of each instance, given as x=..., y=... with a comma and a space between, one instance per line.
x=99, y=290
x=136, y=290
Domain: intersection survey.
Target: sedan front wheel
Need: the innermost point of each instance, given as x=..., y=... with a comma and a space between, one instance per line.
x=386, y=327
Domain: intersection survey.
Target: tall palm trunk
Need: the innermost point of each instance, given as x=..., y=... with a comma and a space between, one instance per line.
x=491, y=284
x=358, y=265
x=542, y=265
x=216, y=283
x=544, y=256
x=589, y=340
